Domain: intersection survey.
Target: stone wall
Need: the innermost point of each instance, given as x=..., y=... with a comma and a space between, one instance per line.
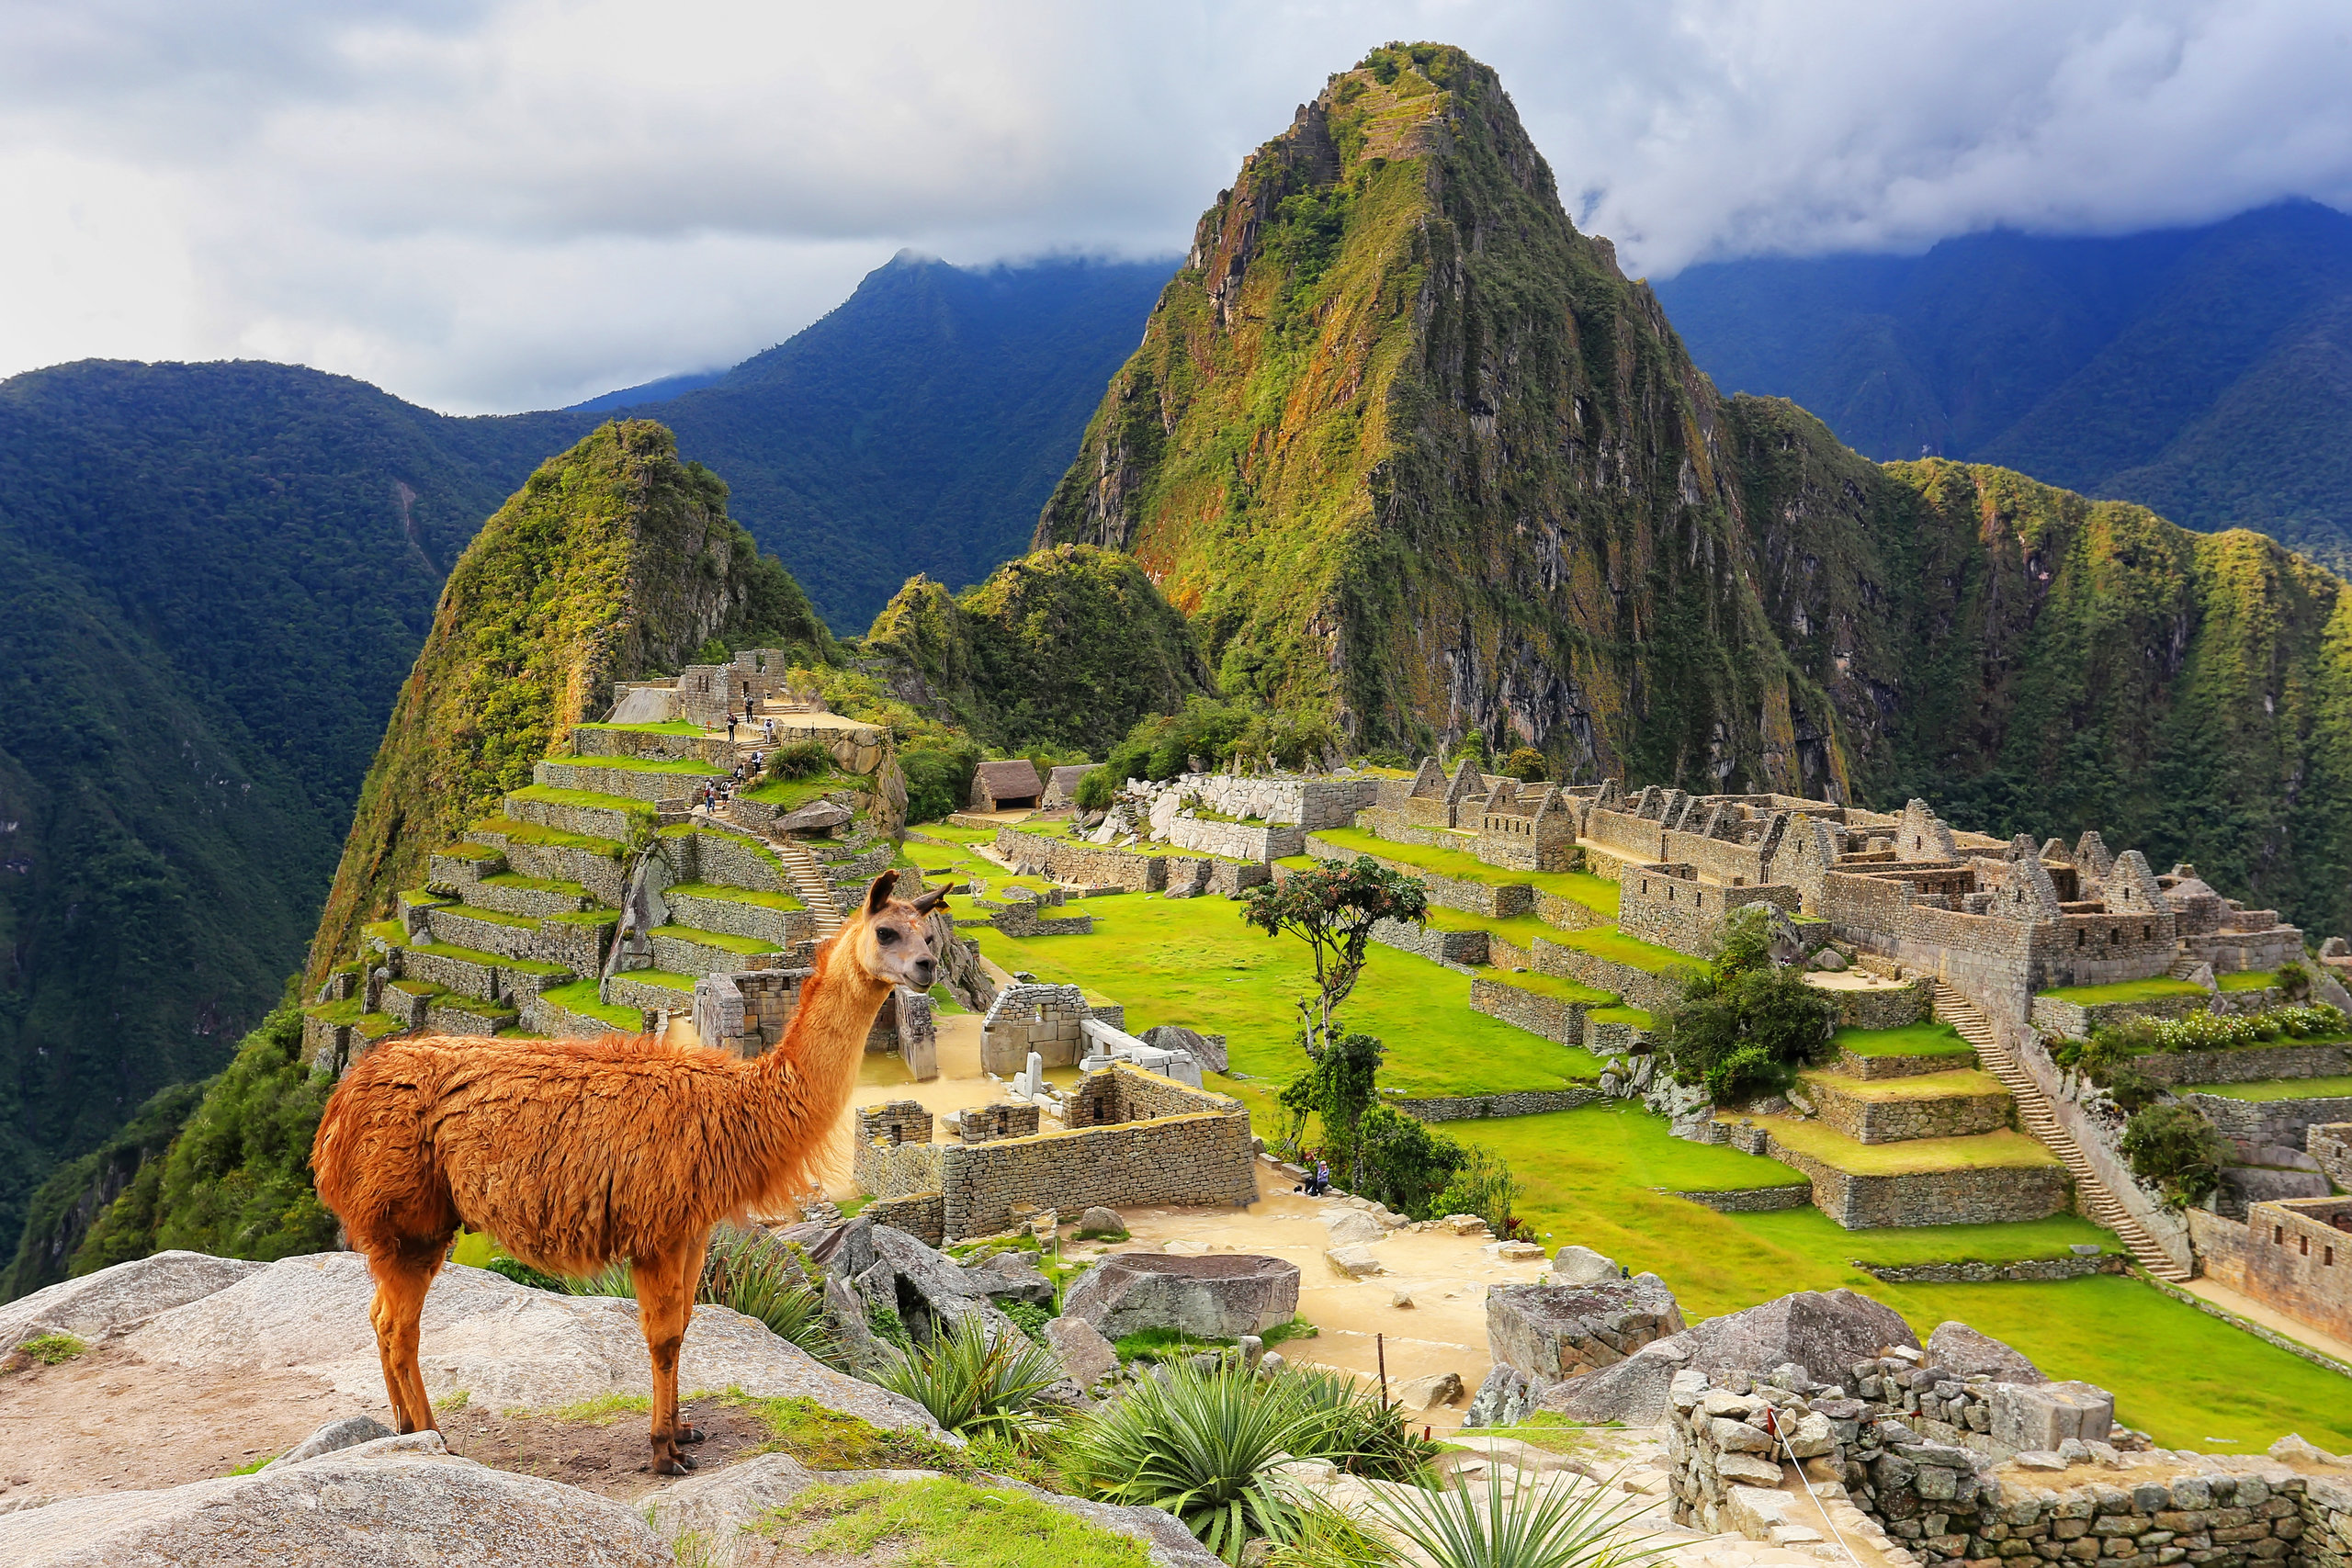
x=2024, y=1271
x=2055, y=1015
x=1236, y=840
x=1044, y=1018
x=1868, y=1120
x=1638, y=986
x=1086, y=865
x=2247, y=1063
x=2295, y=1260
x=922, y=1215
x=1880, y=1006
x=1556, y=909
x=1020, y=917
x=1395, y=826
x=1284, y=799
x=1880, y=1067
x=1750, y=1200
x=1433, y=943
x=2283, y=1123
x=1496, y=901
x=1474, y=1107
x=1553, y=1018
x=1660, y=904
x=1189, y=878
x=2332, y=1146
x=1640, y=839
x=1205, y=1158
x=897, y=1171
x=1966, y=1196
x=1726, y=860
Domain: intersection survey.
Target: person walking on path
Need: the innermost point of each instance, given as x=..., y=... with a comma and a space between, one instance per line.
x=747, y=707
x=731, y=727
x=771, y=726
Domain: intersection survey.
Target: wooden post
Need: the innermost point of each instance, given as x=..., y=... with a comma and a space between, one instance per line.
x=1380, y=1349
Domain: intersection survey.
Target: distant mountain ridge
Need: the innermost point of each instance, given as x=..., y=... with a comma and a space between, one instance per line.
x=2205, y=373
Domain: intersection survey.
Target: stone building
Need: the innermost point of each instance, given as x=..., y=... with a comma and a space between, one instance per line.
x=1528, y=828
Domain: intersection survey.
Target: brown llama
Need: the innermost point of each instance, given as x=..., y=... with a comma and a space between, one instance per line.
x=573, y=1153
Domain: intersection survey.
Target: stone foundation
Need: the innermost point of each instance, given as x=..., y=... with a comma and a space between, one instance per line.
x=1869, y=1121
x=2247, y=1063
x=1553, y=1018
x=1432, y=942
x=1968, y=1197
x=1520, y=1103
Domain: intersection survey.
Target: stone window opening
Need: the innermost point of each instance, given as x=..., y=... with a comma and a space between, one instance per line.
x=2081, y=937
x=2306, y=1247
x=2113, y=936
x=2327, y=1257
x=2147, y=933
x=2277, y=1236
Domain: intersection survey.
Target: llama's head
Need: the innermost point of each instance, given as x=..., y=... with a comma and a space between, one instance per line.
x=890, y=938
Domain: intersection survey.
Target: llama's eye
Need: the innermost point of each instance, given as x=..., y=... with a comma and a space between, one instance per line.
x=886, y=936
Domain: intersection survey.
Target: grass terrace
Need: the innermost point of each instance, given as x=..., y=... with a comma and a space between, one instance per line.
x=1983, y=1151
x=2276, y=1088
x=1921, y=1038
x=2153, y=990
x=724, y=942
x=1959, y=1084
x=535, y=884
x=688, y=765
x=580, y=996
x=1608, y=942
x=792, y=794
x=734, y=895
x=2247, y=980
x=1548, y=985
x=667, y=726
x=549, y=795
x=1595, y=893
x=520, y=832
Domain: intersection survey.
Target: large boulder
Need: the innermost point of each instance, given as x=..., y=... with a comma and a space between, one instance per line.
x=715, y=1510
x=1221, y=1295
x=1352, y=1227
x=507, y=1344
x=117, y=1299
x=1011, y=1277
x=1208, y=1050
x=886, y=1267
x=1086, y=1357
x=1963, y=1352
x=1825, y=1332
x=395, y=1501
x=1582, y=1265
x=1565, y=1331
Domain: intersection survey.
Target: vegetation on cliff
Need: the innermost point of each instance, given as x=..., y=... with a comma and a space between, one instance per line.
x=1063, y=650
x=614, y=561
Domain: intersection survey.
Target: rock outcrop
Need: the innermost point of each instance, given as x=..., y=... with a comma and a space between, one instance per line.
x=118, y=1299
x=1956, y=1350
x=1824, y=1332
x=1566, y=1331
x=1221, y=1295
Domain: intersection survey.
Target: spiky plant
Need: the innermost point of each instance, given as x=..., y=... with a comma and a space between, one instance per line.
x=1199, y=1445
x=1564, y=1524
x=750, y=1272
x=1348, y=1424
x=973, y=1381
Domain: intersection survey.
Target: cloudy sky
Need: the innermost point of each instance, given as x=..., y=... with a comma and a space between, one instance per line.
x=506, y=204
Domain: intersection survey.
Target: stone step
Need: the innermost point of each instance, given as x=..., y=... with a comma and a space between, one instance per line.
x=509, y=893
x=814, y=886
x=774, y=918
x=684, y=950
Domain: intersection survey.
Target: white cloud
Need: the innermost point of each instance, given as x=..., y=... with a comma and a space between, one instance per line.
x=518, y=202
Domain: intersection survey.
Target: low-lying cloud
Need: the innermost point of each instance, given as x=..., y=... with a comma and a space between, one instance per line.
x=513, y=203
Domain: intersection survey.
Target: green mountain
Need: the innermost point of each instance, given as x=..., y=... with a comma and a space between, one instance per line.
x=1405, y=446
x=613, y=560
x=2206, y=373
x=1061, y=650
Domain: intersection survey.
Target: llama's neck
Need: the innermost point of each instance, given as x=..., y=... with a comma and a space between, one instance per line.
x=801, y=1087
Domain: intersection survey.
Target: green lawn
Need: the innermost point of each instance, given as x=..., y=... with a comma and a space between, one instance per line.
x=957, y=835
x=2276, y=1088
x=1519, y=930
x=1608, y=942
x=1191, y=961
x=1595, y=893
x=519, y=832
x=2003, y=1150
x=692, y=765
x=1922, y=1039
x=585, y=798
x=1956, y=1084
x=2125, y=991
x=2188, y=1379
x=1638, y=1018
x=2247, y=980
x=791, y=794
x=734, y=895
x=580, y=996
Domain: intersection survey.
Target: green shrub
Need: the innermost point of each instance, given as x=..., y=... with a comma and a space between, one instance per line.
x=1348, y=1423
x=1744, y=1027
x=972, y=1382
x=802, y=759
x=1482, y=1185
x=884, y=1324
x=1097, y=790
x=1745, y=1073
x=1027, y=1316
x=2176, y=1148
x=1489, y=1526
x=745, y=1270
x=939, y=778
x=1528, y=765
x=237, y=1182
x=1404, y=1164
x=522, y=1273
x=52, y=1349
x=2131, y=1088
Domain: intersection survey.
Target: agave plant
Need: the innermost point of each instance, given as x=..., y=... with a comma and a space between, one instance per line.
x=1562, y=1524
x=1199, y=1445
x=1348, y=1424
x=973, y=1381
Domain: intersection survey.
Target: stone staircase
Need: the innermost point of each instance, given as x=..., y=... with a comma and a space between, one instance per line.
x=2040, y=1121
x=810, y=881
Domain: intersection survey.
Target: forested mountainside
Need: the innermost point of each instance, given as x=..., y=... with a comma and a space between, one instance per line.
x=1403, y=443
x=2204, y=372
x=919, y=426
x=613, y=560
x=212, y=579
x=1061, y=650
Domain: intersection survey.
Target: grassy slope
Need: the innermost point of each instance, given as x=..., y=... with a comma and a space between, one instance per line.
x=2276, y=1089
x=1595, y=893
x=1921, y=1038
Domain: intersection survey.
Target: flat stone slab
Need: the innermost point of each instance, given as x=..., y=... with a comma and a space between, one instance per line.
x=1219, y=1295
x=1565, y=1331
x=117, y=1299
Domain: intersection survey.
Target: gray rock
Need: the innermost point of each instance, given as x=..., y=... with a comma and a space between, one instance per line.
x=1565, y=1331
x=1503, y=1400
x=1825, y=1332
x=1087, y=1358
x=347, y=1433
x=2050, y=1415
x=1581, y=1266
x=1354, y=1262
x=1011, y=1277
x=1102, y=1221
x=1208, y=1050
x=117, y=1299
x=508, y=1345
x=1429, y=1392
x=817, y=817
x=1963, y=1352
x=395, y=1501
x=1351, y=1227
x=1221, y=1295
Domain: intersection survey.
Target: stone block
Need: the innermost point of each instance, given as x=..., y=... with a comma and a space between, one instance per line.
x=1222, y=1295
x=1556, y=1331
x=2045, y=1415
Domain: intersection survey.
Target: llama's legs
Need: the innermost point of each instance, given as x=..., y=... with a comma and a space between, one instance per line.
x=402, y=1276
x=665, y=1300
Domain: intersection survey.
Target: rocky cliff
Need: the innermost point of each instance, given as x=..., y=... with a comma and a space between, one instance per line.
x=615, y=559
x=1407, y=446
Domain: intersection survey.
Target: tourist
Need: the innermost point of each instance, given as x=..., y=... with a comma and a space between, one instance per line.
x=747, y=707
x=771, y=724
x=731, y=727
x=1318, y=1181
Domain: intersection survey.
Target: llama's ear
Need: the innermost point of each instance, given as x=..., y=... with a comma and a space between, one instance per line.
x=877, y=898
x=927, y=902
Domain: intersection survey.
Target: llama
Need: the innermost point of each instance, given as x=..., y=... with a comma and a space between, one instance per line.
x=573, y=1153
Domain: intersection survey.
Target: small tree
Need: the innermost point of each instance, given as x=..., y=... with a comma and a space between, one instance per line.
x=1406, y=1165
x=2177, y=1149
x=1743, y=1027
x=1332, y=908
x=1339, y=1087
x=1528, y=766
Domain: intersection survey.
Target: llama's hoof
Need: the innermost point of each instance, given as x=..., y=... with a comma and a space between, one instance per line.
x=678, y=1465
x=690, y=1434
